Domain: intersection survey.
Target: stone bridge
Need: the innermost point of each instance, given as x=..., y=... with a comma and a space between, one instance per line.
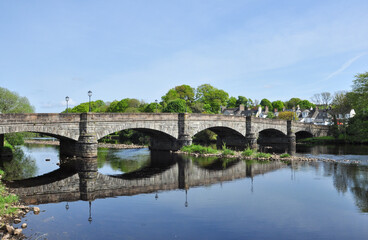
x=87, y=184
x=79, y=133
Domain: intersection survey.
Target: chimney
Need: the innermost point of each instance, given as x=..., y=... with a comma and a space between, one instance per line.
x=241, y=108
x=266, y=109
x=275, y=110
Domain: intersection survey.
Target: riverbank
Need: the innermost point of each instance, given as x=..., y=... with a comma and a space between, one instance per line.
x=100, y=145
x=247, y=154
x=12, y=212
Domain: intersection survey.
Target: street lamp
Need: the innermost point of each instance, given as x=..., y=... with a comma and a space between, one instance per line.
x=90, y=217
x=67, y=100
x=89, y=95
x=156, y=105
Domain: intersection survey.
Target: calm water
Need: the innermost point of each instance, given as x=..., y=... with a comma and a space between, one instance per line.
x=138, y=195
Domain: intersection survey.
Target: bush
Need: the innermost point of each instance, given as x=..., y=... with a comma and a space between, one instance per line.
x=198, y=149
x=248, y=152
x=262, y=155
x=285, y=155
x=226, y=151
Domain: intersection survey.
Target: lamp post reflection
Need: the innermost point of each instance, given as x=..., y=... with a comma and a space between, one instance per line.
x=90, y=217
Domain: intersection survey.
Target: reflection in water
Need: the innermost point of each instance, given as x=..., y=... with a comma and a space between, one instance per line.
x=79, y=179
x=20, y=166
x=256, y=200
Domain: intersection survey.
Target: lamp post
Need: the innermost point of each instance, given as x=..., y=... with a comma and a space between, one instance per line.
x=89, y=95
x=67, y=100
x=90, y=217
x=156, y=105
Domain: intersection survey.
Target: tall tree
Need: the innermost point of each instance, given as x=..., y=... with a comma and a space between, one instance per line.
x=279, y=105
x=11, y=102
x=211, y=97
x=293, y=102
x=265, y=102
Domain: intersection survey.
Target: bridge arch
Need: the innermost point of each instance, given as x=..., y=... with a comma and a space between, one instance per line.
x=303, y=134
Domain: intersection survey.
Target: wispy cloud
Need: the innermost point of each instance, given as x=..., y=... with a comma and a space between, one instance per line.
x=345, y=65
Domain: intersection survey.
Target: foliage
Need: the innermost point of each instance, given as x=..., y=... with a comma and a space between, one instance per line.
x=293, y=102
x=271, y=115
x=14, y=139
x=211, y=97
x=131, y=136
x=243, y=100
x=226, y=151
x=96, y=106
x=319, y=140
x=262, y=155
x=285, y=155
x=20, y=167
x=248, y=152
x=198, y=149
x=153, y=107
x=7, y=201
x=231, y=103
x=124, y=105
x=265, y=102
x=176, y=106
x=305, y=104
x=357, y=130
x=359, y=96
x=205, y=136
x=184, y=92
x=279, y=105
x=287, y=115
x=11, y=102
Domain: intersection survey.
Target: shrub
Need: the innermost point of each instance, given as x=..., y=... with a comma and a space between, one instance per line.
x=285, y=155
x=262, y=155
x=248, y=152
x=198, y=149
x=226, y=151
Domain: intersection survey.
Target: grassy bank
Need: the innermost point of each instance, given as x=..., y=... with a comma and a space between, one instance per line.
x=225, y=152
x=8, y=202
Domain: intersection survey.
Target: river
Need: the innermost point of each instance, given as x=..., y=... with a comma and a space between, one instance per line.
x=139, y=195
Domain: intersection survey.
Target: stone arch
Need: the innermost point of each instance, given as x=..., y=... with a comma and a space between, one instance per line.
x=303, y=134
x=149, y=128
x=229, y=136
x=272, y=139
x=49, y=131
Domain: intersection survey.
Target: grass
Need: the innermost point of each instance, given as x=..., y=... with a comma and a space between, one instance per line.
x=7, y=201
x=248, y=152
x=198, y=149
x=262, y=155
x=285, y=155
x=226, y=151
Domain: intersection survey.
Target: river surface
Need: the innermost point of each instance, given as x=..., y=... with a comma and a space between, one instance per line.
x=139, y=195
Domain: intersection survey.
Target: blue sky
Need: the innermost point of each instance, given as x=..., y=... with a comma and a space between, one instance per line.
x=140, y=49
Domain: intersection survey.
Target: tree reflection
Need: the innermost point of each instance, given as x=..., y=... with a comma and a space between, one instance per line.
x=120, y=160
x=20, y=166
x=350, y=177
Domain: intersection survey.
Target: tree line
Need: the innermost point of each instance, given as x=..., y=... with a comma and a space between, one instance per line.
x=209, y=99
x=184, y=98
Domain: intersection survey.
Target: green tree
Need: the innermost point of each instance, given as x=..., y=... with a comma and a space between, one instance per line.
x=153, y=107
x=286, y=115
x=360, y=92
x=305, y=104
x=243, y=100
x=11, y=102
x=265, y=102
x=293, y=102
x=211, y=97
x=279, y=105
x=231, y=103
x=176, y=106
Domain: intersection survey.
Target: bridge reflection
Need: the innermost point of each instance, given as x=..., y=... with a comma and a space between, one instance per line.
x=80, y=179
